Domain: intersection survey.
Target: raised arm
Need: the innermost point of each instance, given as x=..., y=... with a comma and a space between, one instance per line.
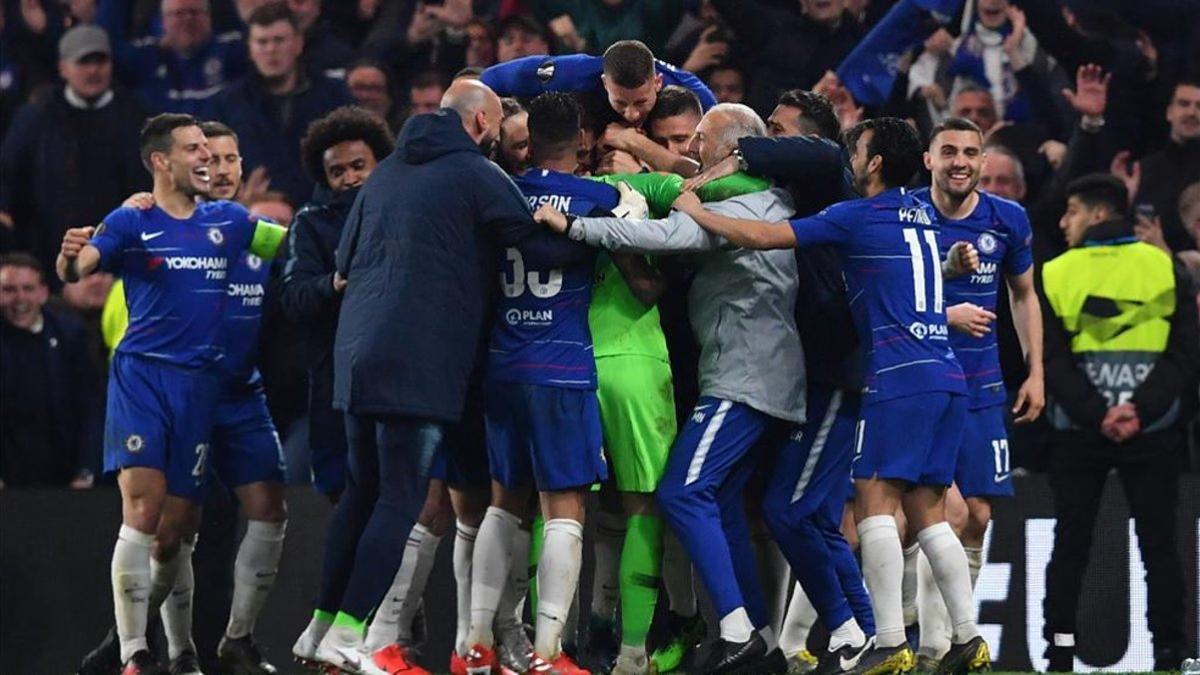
x=677, y=233
x=77, y=258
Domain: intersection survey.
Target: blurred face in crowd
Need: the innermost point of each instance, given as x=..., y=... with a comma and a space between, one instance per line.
x=517, y=42
x=728, y=85
x=1079, y=217
x=976, y=106
x=481, y=46
x=426, y=99
x=274, y=49
x=225, y=168
x=955, y=159
x=823, y=11
x=785, y=121
x=89, y=77
x=993, y=13
x=999, y=176
x=368, y=86
x=187, y=24
x=1183, y=113
x=307, y=12
x=83, y=11
x=514, y=143
x=274, y=209
x=245, y=7
x=187, y=162
x=347, y=165
x=675, y=132
x=633, y=103
x=89, y=293
x=22, y=295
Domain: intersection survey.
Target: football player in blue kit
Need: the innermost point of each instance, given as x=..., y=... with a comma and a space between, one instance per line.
x=1001, y=232
x=165, y=380
x=914, y=401
x=541, y=412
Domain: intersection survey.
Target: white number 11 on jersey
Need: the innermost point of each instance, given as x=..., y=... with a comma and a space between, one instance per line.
x=917, y=258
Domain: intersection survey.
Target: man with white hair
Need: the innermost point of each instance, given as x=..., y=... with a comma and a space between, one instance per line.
x=418, y=240
x=751, y=380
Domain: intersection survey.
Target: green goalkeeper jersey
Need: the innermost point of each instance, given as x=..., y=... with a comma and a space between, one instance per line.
x=620, y=323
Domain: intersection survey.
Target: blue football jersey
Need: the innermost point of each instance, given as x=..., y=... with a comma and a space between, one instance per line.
x=889, y=248
x=243, y=316
x=1000, y=231
x=541, y=333
x=176, y=275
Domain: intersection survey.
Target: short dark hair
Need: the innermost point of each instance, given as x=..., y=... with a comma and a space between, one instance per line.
x=629, y=63
x=22, y=259
x=523, y=23
x=426, y=79
x=816, y=112
x=896, y=142
x=955, y=124
x=674, y=100
x=1186, y=81
x=1101, y=189
x=156, y=134
x=271, y=13
x=472, y=72
x=348, y=123
x=215, y=129
x=554, y=123
x=510, y=106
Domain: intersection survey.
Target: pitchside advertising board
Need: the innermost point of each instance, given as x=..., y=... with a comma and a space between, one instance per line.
x=55, y=548
x=1112, y=633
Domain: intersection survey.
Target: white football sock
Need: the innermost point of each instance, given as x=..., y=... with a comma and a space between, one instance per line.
x=768, y=636
x=558, y=577
x=736, y=626
x=464, y=550
x=512, y=600
x=385, y=626
x=131, y=588
x=934, y=621
x=426, y=556
x=606, y=583
x=847, y=634
x=489, y=572
x=908, y=586
x=162, y=578
x=950, y=570
x=801, y=616
x=883, y=570
x=677, y=576
x=974, y=562
x=176, y=610
x=254, y=573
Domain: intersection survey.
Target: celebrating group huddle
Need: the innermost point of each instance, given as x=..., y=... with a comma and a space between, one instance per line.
x=847, y=378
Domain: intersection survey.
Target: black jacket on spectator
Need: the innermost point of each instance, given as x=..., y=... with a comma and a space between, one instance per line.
x=62, y=166
x=325, y=54
x=419, y=255
x=270, y=127
x=785, y=49
x=1165, y=174
x=308, y=301
x=50, y=401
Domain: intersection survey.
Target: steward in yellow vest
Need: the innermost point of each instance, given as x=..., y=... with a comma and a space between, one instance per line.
x=1122, y=349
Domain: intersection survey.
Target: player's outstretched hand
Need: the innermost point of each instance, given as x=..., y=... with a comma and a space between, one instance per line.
x=1031, y=399
x=970, y=319
x=632, y=204
x=721, y=169
x=74, y=239
x=687, y=202
x=962, y=258
x=551, y=217
x=139, y=200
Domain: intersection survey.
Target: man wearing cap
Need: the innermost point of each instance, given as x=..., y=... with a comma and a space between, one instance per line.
x=69, y=157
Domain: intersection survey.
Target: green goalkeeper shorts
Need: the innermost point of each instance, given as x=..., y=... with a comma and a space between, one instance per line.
x=637, y=413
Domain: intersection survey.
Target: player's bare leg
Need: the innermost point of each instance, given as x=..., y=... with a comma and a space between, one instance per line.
x=143, y=492
x=172, y=579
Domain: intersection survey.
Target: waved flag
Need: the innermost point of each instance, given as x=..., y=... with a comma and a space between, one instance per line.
x=870, y=70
